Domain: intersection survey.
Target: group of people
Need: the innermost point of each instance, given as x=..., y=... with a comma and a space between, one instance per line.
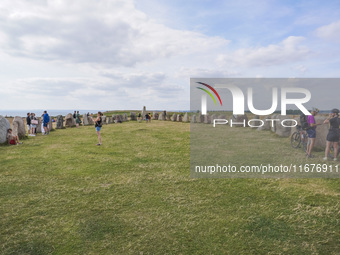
x=32, y=124
x=333, y=134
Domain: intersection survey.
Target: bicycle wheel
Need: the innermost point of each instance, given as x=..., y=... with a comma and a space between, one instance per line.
x=295, y=140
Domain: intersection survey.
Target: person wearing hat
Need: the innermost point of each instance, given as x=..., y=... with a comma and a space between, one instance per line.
x=333, y=134
x=311, y=132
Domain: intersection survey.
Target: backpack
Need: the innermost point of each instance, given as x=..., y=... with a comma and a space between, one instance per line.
x=304, y=122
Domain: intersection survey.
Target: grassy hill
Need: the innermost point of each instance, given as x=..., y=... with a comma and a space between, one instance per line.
x=61, y=194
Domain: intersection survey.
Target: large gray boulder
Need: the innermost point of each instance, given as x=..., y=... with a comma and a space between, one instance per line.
x=321, y=131
x=119, y=118
x=193, y=119
x=186, y=117
x=256, y=122
x=266, y=125
x=168, y=117
x=161, y=116
x=143, y=113
x=155, y=115
x=273, y=126
x=125, y=117
x=19, y=127
x=60, y=122
x=104, y=120
x=179, y=118
x=133, y=116
x=85, y=120
x=281, y=130
x=69, y=120
x=174, y=117
x=50, y=124
x=239, y=119
x=207, y=119
x=90, y=119
x=109, y=120
x=39, y=126
x=4, y=126
x=200, y=118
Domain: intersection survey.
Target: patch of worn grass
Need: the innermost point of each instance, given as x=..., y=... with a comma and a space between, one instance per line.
x=61, y=194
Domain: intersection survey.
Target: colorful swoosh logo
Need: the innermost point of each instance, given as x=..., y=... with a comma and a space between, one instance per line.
x=212, y=89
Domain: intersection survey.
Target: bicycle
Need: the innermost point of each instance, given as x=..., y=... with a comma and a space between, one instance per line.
x=299, y=138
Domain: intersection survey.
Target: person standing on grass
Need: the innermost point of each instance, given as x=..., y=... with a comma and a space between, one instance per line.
x=333, y=134
x=311, y=131
x=12, y=139
x=46, y=120
x=98, y=125
x=78, y=121
x=28, y=122
x=34, y=123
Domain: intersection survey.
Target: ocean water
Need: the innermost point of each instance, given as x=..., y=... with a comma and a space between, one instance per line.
x=39, y=112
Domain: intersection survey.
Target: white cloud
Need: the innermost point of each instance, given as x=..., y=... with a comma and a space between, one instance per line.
x=104, y=32
x=330, y=32
x=287, y=51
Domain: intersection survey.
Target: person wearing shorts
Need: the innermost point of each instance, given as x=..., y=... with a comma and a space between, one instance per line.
x=333, y=134
x=311, y=131
x=12, y=139
x=98, y=125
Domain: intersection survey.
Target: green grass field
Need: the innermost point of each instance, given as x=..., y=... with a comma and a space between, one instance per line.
x=61, y=194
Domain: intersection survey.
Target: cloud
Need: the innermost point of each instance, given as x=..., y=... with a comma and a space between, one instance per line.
x=330, y=32
x=287, y=51
x=107, y=32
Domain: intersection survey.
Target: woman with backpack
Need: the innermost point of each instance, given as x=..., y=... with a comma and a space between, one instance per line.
x=333, y=134
x=98, y=125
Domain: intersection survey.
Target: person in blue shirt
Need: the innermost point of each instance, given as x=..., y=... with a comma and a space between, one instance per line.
x=46, y=120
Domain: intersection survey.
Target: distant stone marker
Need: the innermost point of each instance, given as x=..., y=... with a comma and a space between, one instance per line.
x=161, y=116
x=186, y=117
x=69, y=120
x=155, y=115
x=207, y=119
x=174, y=117
x=179, y=118
x=85, y=120
x=193, y=119
x=19, y=127
x=125, y=117
x=60, y=122
x=143, y=113
x=133, y=116
x=240, y=119
x=109, y=120
x=104, y=120
x=4, y=126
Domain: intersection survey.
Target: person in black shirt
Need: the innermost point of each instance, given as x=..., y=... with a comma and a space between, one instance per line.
x=98, y=125
x=28, y=122
x=333, y=134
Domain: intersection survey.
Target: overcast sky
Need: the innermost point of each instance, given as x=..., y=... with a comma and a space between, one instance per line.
x=123, y=54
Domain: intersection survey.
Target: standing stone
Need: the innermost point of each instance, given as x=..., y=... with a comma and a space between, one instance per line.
x=207, y=119
x=257, y=122
x=239, y=119
x=19, y=127
x=38, y=129
x=143, y=113
x=186, y=117
x=168, y=117
x=50, y=124
x=119, y=118
x=114, y=116
x=213, y=117
x=104, y=120
x=222, y=117
x=85, y=120
x=321, y=131
x=267, y=124
x=193, y=119
x=273, y=126
x=174, y=117
x=69, y=120
x=60, y=122
x=280, y=130
x=200, y=118
x=125, y=117
x=4, y=126
x=109, y=120
x=155, y=115
x=90, y=120
x=179, y=118
x=161, y=116
x=133, y=116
